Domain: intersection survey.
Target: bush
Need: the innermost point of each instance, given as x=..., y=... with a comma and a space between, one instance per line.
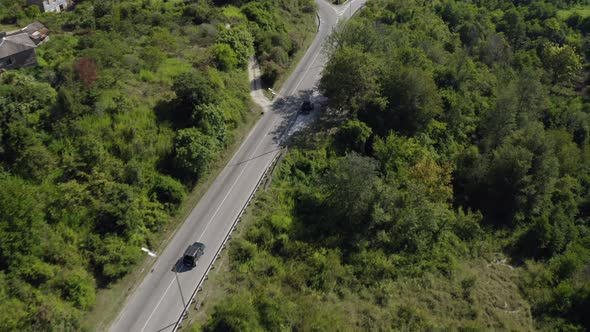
x=169, y=192
x=224, y=56
x=240, y=40
x=271, y=72
x=193, y=151
x=353, y=135
x=114, y=257
x=279, y=56
x=78, y=287
x=242, y=250
x=234, y=314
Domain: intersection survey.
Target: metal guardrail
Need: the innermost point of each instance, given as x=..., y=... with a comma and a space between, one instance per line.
x=184, y=313
x=269, y=169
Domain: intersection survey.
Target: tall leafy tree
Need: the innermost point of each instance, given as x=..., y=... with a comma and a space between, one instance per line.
x=350, y=80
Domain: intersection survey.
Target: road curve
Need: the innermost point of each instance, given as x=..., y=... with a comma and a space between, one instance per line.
x=157, y=302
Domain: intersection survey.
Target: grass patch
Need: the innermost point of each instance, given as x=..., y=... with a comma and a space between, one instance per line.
x=171, y=68
x=8, y=27
x=110, y=301
x=233, y=14
x=582, y=10
x=481, y=295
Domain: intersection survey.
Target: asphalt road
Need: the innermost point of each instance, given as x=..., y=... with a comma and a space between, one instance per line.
x=160, y=298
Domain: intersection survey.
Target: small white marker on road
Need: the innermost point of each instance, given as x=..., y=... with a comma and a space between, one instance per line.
x=148, y=252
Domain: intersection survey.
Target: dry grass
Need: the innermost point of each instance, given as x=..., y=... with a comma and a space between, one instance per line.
x=502, y=305
x=481, y=295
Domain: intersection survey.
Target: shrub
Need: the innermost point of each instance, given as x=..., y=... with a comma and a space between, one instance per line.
x=271, y=72
x=168, y=191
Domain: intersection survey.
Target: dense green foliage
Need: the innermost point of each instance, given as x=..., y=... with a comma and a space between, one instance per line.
x=131, y=102
x=462, y=147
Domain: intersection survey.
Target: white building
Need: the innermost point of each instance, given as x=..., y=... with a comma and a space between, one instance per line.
x=50, y=5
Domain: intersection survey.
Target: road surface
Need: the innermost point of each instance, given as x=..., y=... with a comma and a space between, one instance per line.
x=160, y=298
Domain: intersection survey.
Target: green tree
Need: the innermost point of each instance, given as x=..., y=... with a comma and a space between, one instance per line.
x=193, y=151
x=240, y=40
x=354, y=135
x=210, y=119
x=521, y=176
x=224, y=56
x=191, y=89
x=514, y=27
x=413, y=100
x=13, y=316
x=113, y=257
x=349, y=188
x=21, y=221
x=168, y=191
x=353, y=33
x=350, y=79
x=78, y=287
x=233, y=314
x=563, y=62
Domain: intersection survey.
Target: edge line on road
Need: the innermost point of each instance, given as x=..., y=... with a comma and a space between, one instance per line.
x=208, y=223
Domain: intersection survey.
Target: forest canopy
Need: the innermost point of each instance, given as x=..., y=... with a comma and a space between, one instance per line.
x=445, y=188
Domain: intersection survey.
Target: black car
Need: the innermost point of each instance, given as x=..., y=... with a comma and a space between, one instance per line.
x=192, y=254
x=307, y=106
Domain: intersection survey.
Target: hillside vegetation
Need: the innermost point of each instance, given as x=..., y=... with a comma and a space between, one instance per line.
x=131, y=102
x=446, y=187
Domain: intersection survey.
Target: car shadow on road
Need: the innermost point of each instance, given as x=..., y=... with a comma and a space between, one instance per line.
x=179, y=267
x=289, y=108
x=326, y=120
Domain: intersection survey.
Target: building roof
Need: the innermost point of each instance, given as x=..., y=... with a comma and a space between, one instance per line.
x=29, y=37
x=37, y=31
x=14, y=44
x=33, y=27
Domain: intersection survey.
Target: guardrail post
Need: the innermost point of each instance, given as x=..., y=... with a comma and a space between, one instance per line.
x=199, y=288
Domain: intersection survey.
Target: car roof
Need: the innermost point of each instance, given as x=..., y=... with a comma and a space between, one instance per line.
x=194, y=248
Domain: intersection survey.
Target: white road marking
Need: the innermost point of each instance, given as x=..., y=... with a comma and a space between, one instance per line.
x=257, y=147
x=157, y=304
x=210, y=220
x=306, y=70
x=333, y=8
x=318, y=53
